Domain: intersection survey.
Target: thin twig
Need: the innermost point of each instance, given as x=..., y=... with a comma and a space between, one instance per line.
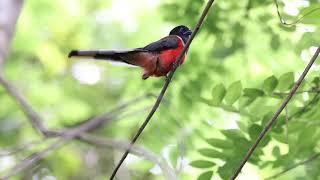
x=282, y=21
x=66, y=135
x=33, y=117
x=37, y=122
x=298, y=113
x=167, y=170
x=20, y=148
x=165, y=87
x=110, y=115
x=313, y=90
x=277, y=113
x=312, y=158
x=35, y=157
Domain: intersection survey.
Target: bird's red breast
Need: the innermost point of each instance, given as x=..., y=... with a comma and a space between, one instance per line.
x=160, y=62
x=167, y=57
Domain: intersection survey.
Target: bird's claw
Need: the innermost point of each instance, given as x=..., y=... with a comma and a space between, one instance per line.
x=175, y=65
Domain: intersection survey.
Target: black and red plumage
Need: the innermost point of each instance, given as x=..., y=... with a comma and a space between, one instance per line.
x=156, y=59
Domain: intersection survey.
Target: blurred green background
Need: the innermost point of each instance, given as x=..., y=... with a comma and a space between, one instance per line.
x=219, y=100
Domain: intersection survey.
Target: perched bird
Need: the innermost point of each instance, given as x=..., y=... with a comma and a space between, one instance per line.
x=156, y=59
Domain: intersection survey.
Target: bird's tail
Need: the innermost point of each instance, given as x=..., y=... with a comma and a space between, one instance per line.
x=112, y=55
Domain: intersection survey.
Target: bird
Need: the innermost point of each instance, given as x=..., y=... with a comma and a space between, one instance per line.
x=156, y=59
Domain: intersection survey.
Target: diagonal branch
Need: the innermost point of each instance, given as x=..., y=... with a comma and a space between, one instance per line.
x=20, y=148
x=312, y=90
x=310, y=159
x=69, y=134
x=33, y=117
x=64, y=137
x=167, y=170
x=37, y=122
x=277, y=113
x=165, y=87
x=35, y=157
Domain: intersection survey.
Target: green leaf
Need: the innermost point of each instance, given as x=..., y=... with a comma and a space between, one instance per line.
x=205, y=176
x=233, y=134
x=229, y=167
x=218, y=93
x=252, y=92
x=266, y=118
x=233, y=92
x=286, y=81
x=270, y=84
x=306, y=137
x=254, y=131
x=279, y=137
x=206, y=101
x=316, y=81
x=276, y=151
x=202, y=164
x=220, y=143
x=245, y=101
x=242, y=126
x=210, y=153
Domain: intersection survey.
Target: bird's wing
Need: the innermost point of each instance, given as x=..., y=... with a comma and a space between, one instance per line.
x=169, y=42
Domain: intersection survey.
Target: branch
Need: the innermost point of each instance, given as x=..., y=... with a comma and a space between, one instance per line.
x=37, y=122
x=108, y=116
x=298, y=113
x=282, y=21
x=167, y=170
x=17, y=149
x=35, y=157
x=312, y=158
x=64, y=138
x=165, y=86
x=313, y=90
x=67, y=135
x=10, y=10
x=33, y=117
x=277, y=113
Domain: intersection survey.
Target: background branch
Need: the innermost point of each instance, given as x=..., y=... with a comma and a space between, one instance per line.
x=312, y=158
x=313, y=90
x=20, y=148
x=33, y=117
x=69, y=134
x=167, y=170
x=277, y=113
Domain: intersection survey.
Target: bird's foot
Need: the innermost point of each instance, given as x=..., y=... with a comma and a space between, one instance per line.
x=175, y=65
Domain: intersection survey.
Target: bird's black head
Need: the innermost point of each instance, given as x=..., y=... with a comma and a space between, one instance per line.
x=182, y=31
